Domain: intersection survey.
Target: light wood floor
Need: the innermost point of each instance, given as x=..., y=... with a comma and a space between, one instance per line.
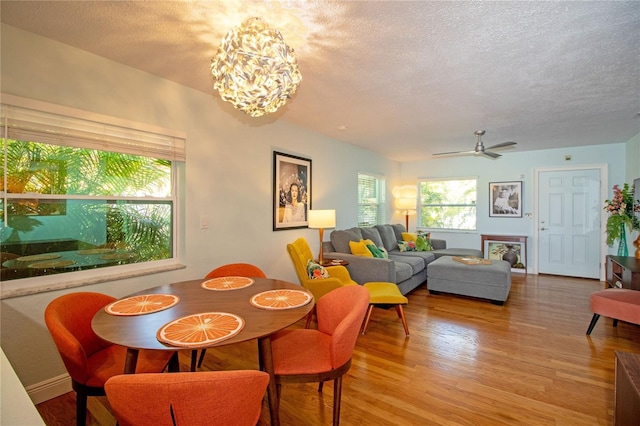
x=467, y=362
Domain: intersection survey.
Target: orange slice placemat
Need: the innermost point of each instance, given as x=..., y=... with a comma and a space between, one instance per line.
x=200, y=330
x=227, y=283
x=143, y=304
x=281, y=299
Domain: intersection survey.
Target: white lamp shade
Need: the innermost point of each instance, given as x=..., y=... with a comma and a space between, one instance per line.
x=322, y=219
x=405, y=203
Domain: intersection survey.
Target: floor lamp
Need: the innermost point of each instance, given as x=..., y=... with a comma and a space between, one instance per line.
x=406, y=198
x=321, y=219
x=407, y=206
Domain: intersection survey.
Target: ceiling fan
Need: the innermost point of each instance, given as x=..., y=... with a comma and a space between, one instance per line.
x=479, y=148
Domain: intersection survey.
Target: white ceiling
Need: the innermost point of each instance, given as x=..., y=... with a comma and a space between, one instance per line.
x=406, y=78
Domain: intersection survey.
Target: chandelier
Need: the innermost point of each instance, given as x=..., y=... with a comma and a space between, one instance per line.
x=254, y=69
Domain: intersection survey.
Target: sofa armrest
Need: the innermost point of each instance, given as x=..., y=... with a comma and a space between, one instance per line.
x=367, y=269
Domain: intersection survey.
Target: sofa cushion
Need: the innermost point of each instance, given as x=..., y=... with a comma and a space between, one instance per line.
x=373, y=235
x=416, y=262
x=388, y=236
x=340, y=239
x=404, y=271
x=398, y=229
x=426, y=256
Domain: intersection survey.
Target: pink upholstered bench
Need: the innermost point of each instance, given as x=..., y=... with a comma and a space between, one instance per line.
x=617, y=303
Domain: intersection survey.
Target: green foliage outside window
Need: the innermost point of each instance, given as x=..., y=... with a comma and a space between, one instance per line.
x=447, y=204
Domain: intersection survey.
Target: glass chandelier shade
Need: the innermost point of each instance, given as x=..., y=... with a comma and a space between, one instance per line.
x=254, y=69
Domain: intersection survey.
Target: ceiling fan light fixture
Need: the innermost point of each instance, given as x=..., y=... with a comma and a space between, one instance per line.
x=254, y=69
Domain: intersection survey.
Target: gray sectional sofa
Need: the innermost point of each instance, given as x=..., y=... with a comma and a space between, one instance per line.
x=406, y=269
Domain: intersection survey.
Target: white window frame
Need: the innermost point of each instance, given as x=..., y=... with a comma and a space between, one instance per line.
x=474, y=204
x=379, y=202
x=50, y=123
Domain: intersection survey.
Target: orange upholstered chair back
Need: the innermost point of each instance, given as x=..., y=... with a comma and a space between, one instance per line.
x=68, y=319
x=208, y=398
x=237, y=270
x=340, y=314
x=300, y=253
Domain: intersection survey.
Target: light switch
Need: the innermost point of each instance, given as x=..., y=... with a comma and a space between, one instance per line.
x=204, y=222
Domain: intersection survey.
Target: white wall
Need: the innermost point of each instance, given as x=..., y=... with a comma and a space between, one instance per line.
x=228, y=176
x=515, y=166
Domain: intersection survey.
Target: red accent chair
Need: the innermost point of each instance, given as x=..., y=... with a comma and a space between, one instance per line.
x=309, y=355
x=207, y=398
x=90, y=360
x=617, y=303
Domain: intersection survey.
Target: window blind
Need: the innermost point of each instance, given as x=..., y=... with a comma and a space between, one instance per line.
x=40, y=125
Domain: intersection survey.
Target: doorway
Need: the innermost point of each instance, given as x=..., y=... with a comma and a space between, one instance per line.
x=568, y=221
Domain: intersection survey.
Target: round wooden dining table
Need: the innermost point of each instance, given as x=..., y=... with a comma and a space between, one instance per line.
x=139, y=331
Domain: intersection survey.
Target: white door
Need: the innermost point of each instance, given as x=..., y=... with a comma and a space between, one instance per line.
x=569, y=209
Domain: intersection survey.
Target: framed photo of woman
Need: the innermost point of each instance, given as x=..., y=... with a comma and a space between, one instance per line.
x=291, y=191
x=505, y=199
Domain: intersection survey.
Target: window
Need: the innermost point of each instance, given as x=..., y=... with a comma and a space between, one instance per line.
x=447, y=204
x=79, y=194
x=371, y=200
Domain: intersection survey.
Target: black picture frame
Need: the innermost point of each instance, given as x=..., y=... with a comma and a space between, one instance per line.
x=505, y=199
x=291, y=171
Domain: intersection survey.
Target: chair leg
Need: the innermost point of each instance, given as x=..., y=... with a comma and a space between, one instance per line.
x=174, y=363
x=81, y=408
x=400, y=311
x=337, y=393
x=366, y=318
x=202, y=354
x=594, y=320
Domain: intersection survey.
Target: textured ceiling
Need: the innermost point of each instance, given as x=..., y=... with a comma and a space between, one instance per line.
x=405, y=79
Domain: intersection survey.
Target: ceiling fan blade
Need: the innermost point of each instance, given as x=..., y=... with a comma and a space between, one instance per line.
x=501, y=145
x=492, y=154
x=455, y=152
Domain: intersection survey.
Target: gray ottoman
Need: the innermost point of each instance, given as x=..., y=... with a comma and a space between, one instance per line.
x=491, y=282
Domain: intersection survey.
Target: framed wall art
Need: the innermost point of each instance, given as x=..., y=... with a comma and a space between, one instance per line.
x=291, y=191
x=505, y=199
x=513, y=252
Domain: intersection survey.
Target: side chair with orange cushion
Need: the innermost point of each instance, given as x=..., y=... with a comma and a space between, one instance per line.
x=229, y=270
x=300, y=254
x=89, y=360
x=206, y=398
x=309, y=355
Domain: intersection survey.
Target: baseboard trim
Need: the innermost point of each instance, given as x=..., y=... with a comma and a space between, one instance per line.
x=50, y=388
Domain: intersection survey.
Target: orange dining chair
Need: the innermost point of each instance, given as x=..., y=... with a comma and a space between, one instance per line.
x=206, y=398
x=300, y=254
x=89, y=360
x=309, y=355
x=228, y=270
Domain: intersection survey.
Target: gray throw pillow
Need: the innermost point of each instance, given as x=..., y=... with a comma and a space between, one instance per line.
x=398, y=229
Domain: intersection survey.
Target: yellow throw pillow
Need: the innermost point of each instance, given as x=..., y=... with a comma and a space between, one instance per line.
x=359, y=248
x=409, y=236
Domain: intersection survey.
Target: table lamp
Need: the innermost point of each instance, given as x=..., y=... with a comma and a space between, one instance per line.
x=321, y=219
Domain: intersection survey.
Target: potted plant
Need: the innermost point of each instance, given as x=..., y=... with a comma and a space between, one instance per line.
x=622, y=210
